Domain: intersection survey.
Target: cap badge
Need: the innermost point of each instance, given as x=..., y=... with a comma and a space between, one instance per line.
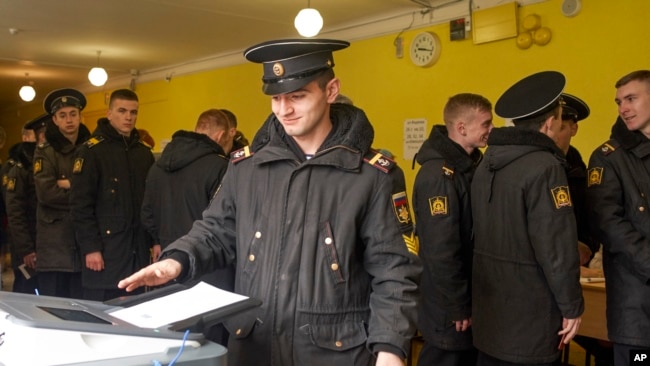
x=278, y=69
x=561, y=197
x=438, y=205
x=64, y=99
x=595, y=176
x=329, y=63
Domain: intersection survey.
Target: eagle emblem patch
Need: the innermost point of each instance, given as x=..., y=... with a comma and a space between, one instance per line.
x=561, y=197
x=38, y=165
x=11, y=184
x=438, y=205
x=595, y=176
x=401, y=207
x=77, y=166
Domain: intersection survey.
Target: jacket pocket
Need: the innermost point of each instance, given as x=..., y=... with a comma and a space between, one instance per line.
x=240, y=327
x=327, y=244
x=336, y=337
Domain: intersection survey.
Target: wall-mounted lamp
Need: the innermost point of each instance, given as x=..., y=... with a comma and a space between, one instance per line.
x=308, y=22
x=27, y=92
x=97, y=75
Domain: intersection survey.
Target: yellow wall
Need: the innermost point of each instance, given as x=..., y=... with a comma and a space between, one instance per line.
x=593, y=49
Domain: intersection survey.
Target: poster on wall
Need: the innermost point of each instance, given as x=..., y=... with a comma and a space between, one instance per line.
x=415, y=132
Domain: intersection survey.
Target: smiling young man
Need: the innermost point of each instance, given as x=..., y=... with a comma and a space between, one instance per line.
x=617, y=196
x=443, y=212
x=59, y=263
x=108, y=181
x=312, y=228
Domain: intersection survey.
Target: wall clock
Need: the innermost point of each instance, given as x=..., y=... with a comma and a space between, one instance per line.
x=425, y=49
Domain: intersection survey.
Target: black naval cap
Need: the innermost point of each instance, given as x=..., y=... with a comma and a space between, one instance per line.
x=574, y=108
x=38, y=122
x=531, y=96
x=60, y=98
x=290, y=64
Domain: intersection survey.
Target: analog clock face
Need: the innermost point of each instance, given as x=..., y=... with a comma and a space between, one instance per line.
x=425, y=49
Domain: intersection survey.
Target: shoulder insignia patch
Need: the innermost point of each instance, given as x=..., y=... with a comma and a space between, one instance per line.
x=379, y=161
x=145, y=144
x=561, y=197
x=5, y=179
x=43, y=145
x=241, y=154
x=594, y=176
x=447, y=172
x=412, y=243
x=401, y=207
x=11, y=184
x=438, y=205
x=77, y=166
x=38, y=165
x=93, y=141
x=609, y=147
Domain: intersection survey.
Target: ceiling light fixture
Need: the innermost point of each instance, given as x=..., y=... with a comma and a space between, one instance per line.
x=308, y=22
x=27, y=92
x=98, y=75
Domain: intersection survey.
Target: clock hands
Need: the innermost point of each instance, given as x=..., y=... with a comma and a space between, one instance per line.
x=424, y=49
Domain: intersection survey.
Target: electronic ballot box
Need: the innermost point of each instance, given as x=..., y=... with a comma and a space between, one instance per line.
x=44, y=330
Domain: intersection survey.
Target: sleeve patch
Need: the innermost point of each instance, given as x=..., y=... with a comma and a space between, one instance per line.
x=438, y=205
x=401, y=207
x=38, y=165
x=561, y=197
x=77, y=166
x=412, y=243
x=11, y=184
x=595, y=176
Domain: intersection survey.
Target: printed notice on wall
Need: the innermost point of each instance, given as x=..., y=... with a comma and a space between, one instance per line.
x=415, y=132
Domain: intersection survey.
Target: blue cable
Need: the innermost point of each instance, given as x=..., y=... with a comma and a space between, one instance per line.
x=178, y=355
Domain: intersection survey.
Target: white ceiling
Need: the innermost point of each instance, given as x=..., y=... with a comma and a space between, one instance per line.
x=56, y=41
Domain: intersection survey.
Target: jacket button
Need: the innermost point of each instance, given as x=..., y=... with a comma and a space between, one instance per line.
x=328, y=241
x=258, y=235
x=108, y=232
x=338, y=344
x=238, y=331
x=114, y=179
x=251, y=257
x=112, y=191
x=335, y=266
x=641, y=208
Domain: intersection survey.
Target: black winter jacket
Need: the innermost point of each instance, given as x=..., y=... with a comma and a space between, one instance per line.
x=56, y=247
x=318, y=242
x=180, y=186
x=108, y=181
x=617, y=195
x=443, y=213
x=526, y=274
x=21, y=204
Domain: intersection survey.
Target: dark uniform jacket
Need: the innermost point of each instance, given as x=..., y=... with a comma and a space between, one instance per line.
x=56, y=247
x=318, y=242
x=617, y=195
x=526, y=274
x=5, y=239
x=577, y=176
x=179, y=188
x=108, y=180
x=443, y=212
x=21, y=204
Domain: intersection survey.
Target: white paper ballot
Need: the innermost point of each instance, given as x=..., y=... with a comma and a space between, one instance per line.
x=181, y=305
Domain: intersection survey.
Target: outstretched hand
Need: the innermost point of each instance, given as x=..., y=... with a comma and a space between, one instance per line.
x=155, y=274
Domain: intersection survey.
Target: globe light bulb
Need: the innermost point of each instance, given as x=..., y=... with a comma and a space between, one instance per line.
x=97, y=76
x=308, y=22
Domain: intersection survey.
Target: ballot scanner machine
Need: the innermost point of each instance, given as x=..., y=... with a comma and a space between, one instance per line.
x=44, y=330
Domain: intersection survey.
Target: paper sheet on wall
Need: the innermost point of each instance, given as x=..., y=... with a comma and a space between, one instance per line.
x=181, y=305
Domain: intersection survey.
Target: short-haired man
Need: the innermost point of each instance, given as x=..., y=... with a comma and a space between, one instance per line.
x=59, y=264
x=443, y=212
x=617, y=195
x=526, y=294
x=312, y=227
x=108, y=180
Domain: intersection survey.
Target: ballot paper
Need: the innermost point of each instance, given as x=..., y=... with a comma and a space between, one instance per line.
x=178, y=306
x=592, y=279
